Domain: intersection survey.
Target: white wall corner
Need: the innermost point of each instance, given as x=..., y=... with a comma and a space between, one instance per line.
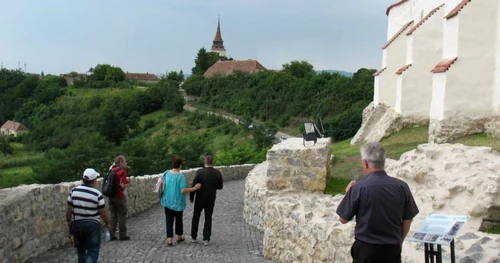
x=438, y=95
x=496, y=83
x=384, y=58
x=399, y=95
x=450, y=37
x=376, y=91
x=409, y=49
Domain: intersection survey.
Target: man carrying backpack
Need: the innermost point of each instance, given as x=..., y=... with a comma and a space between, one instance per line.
x=118, y=202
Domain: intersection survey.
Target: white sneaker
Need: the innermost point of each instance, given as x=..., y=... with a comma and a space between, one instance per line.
x=193, y=240
x=205, y=242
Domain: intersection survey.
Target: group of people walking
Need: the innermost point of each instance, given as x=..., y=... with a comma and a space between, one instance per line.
x=383, y=207
x=86, y=206
x=203, y=193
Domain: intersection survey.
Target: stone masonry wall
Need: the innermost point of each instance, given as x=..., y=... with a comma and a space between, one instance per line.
x=450, y=129
x=256, y=196
x=32, y=217
x=284, y=197
x=294, y=167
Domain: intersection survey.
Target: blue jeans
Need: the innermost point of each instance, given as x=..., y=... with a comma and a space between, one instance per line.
x=87, y=234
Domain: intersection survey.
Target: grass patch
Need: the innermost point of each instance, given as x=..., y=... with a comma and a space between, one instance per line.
x=480, y=140
x=16, y=176
x=155, y=115
x=346, y=164
x=492, y=229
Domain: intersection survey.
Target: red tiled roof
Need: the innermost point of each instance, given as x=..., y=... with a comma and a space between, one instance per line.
x=378, y=72
x=443, y=65
x=397, y=34
x=402, y=69
x=457, y=9
x=227, y=67
x=141, y=76
x=14, y=126
x=394, y=5
x=423, y=20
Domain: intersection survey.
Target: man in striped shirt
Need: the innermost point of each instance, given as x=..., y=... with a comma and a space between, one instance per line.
x=85, y=208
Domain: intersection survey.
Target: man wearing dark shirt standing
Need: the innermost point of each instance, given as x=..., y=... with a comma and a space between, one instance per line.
x=384, y=208
x=204, y=199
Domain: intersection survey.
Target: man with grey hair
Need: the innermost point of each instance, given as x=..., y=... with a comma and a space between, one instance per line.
x=384, y=208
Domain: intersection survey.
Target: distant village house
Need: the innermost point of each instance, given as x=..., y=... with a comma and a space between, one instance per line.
x=228, y=67
x=142, y=77
x=71, y=77
x=12, y=128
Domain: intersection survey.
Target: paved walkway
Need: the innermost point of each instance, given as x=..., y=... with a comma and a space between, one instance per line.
x=232, y=239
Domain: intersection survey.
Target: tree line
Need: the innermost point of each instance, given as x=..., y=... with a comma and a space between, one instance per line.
x=74, y=131
x=294, y=92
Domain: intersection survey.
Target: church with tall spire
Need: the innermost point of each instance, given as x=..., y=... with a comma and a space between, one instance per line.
x=218, y=43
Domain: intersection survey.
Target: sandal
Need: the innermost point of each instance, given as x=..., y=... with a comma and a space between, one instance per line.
x=169, y=242
x=180, y=239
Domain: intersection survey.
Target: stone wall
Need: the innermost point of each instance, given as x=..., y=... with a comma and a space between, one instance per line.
x=32, y=217
x=284, y=197
x=256, y=196
x=294, y=167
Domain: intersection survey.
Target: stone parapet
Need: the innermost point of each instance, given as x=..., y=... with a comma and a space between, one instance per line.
x=32, y=217
x=255, y=197
x=304, y=228
x=294, y=167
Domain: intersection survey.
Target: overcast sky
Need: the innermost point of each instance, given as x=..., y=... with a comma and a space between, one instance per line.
x=60, y=36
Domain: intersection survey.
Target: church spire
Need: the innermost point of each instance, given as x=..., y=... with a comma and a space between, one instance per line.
x=218, y=43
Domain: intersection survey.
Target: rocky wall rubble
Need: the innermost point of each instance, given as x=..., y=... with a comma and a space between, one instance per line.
x=32, y=217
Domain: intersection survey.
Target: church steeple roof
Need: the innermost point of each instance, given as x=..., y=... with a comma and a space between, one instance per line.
x=218, y=44
x=218, y=35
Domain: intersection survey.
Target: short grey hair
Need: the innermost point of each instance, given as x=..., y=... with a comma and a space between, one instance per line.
x=374, y=154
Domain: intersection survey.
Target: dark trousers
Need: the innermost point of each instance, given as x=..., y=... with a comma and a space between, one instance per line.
x=87, y=236
x=207, y=228
x=362, y=252
x=118, y=213
x=170, y=216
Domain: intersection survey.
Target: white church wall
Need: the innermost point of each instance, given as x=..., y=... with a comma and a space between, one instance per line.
x=450, y=5
x=472, y=76
x=425, y=45
x=496, y=89
x=396, y=56
x=438, y=92
x=376, y=91
x=398, y=17
x=468, y=92
x=450, y=39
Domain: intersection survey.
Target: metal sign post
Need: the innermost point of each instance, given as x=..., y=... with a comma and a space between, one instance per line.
x=438, y=230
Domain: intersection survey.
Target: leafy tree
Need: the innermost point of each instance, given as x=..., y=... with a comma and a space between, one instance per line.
x=205, y=60
x=5, y=147
x=299, y=69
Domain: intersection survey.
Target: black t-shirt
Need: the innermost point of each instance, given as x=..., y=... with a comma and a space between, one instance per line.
x=380, y=204
x=211, y=181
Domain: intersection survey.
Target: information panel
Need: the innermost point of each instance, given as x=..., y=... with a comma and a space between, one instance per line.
x=439, y=229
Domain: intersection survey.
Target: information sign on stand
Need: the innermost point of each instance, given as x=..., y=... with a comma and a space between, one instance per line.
x=438, y=229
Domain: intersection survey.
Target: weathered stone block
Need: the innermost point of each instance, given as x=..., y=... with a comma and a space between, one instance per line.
x=294, y=167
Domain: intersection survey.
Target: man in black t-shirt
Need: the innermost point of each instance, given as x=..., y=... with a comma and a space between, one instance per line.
x=204, y=199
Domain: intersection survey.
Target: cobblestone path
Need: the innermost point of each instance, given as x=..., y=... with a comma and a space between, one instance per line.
x=232, y=239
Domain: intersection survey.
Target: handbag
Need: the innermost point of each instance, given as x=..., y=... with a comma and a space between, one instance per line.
x=160, y=185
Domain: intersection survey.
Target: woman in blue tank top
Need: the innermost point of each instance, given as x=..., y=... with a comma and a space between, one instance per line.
x=174, y=199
